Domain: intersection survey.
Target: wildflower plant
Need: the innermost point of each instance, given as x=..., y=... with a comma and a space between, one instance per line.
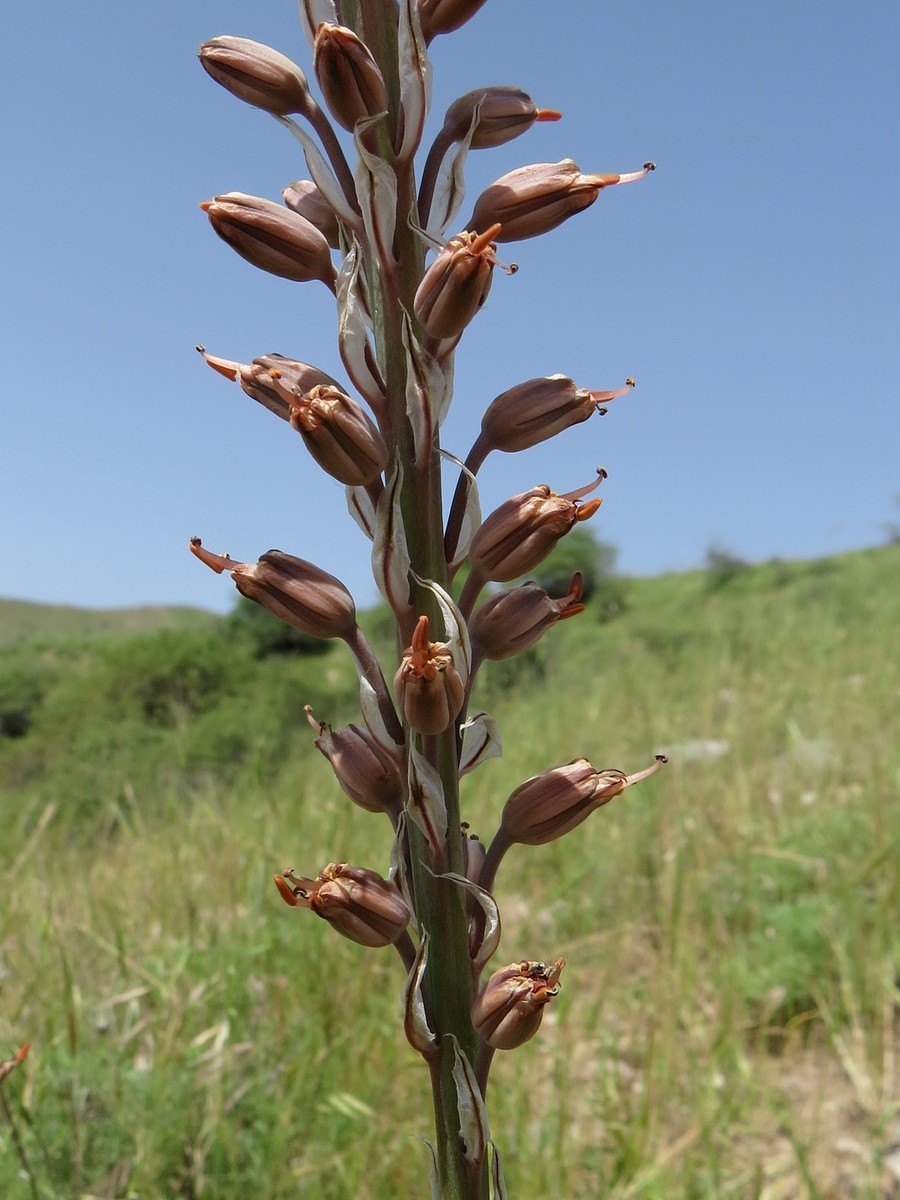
x=380, y=230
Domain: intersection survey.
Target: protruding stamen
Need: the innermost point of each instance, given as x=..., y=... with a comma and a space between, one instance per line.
x=588, y=487
x=547, y=114
x=661, y=761
x=223, y=365
x=216, y=562
x=633, y=175
x=319, y=726
x=606, y=397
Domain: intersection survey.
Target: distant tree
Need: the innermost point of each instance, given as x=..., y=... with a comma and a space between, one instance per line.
x=268, y=634
x=892, y=528
x=722, y=566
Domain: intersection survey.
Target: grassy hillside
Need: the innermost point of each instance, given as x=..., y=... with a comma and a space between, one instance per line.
x=728, y=1020
x=24, y=620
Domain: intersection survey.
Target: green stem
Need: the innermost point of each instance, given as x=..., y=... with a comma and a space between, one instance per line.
x=440, y=903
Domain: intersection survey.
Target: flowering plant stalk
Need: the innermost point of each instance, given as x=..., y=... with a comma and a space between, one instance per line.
x=365, y=226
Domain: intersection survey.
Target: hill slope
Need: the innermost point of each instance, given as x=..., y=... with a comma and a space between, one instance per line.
x=25, y=620
x=727, y=1024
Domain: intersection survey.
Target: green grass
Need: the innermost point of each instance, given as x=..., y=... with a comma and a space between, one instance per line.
x=728, y=1020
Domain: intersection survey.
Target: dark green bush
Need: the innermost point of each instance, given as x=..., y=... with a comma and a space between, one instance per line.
x=22, y=690
x=269, y=635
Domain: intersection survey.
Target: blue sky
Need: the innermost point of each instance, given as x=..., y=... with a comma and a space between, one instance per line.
x=750, y=286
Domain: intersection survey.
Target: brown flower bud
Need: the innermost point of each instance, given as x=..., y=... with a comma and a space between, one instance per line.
x=535, y=199
x=271, y=237
x=503, y=113
x=457, y=283
x=515, y=620
x=304, y=198
x=532, y=412
x=368, y=773
x=509, y=1008
x=443, y=16
x=551, y=804
x=358, y=903
x=303, y=595
x=256, y=73
x=348, y=75
x=272, y=380
x=427, y=684
x=522, y=531
x=339, y=435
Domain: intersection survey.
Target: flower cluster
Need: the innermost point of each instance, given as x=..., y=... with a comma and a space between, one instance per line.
x=364, y=224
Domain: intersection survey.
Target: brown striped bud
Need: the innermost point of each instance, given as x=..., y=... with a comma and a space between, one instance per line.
x=551, y=804
x=503, y=113
x=358, y=903
x=515, y=620
x=532, y=412
x=443, y=16
x=339, y=435
x=256, y=74
x=272, y=380
x=271, y=237
x=348, y=75
x=304, y=198
x=457, y=283
x=522, y=531
x=368, y=773
x=427, y=684
x=301, y=594
x=535, y=199
x=509, y=1008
